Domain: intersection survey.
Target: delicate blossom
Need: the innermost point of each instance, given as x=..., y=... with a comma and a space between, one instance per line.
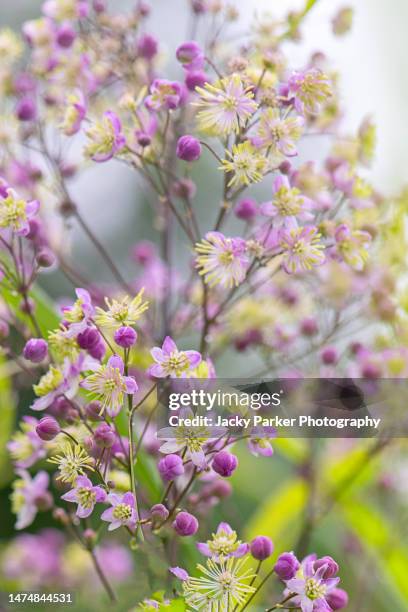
x=224, y=543
x=278, y=133
x=311, y=88
x=225, y=106
x=302, y=249
x=109, y=385
x=246, y=164
x=222, y=260
x=311, y=586
x=86, y=495
x=15, y=213
x=122, y=512
x=170, y=361
x=124, y=312
x=74, y=114
x=105, y=138
x=72, y=461
x=352, y=245
x=164, y=94
x=61, y=380
x=80, y=314
x=260, y=441
x=288, y=205
x=25, y=447
x=28, y=496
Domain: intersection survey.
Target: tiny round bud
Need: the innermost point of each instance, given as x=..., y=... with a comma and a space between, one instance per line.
x=261, y=548
x=61, y=408
x=147, y=46
x=89, y=338
x=104, y=436
x=48, y=428
x=337, y=599
x=222, y=488
x=285, y=167
x=286, y=566
x=190, y=55
x=143, y=252
x=26, y=109
x=159, y=511
x=90, y=536
x=370, y=370
x=184, y=188
x=143, y=139
x=246, y=209
x=65, y=36
x=188, y=148
x=195, y=78
x=125, y=337
x=308, y=326
x=225, y=463
x=170, y=467
x=330, y=565
x=329, y=355
x=45, y=258
x=93, y=411
x=35, y=350
x=60, y=515
x=185, y=524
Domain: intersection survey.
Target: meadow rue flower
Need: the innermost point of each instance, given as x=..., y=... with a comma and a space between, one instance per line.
x=105, y=138
x=72, y=461
x=223, y=585
x=25, y=447
x=246, y=164
x=15, y=213
x=188, y=148
x=122, y=512
x=222, y=261
x=74, y=114
x=302, y=249
x=286, y=566
x=261, y=548
x=172, y=362
x=190, y=55
x=80, y=314
x=51, y=385
x=278, y=133
x=11, y=47
x=35, y=350
x=48, y=428
x=311, y=89
x=224, y=543
x=28, y=496
x=65, y=10
x=185, y=524
x=288, y=205
x=224, y=463
x=224, y=106
x=86, y=495
x=352, y=245
x=310, y=585
x=122, y=312
x=260, y=441
x=110, y=386
x=170, y=467
x=164, y=94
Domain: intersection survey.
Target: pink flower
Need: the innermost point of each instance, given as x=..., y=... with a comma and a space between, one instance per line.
x=312, y=587
x=25, y=447
x=15, y=213
x=164, y=94
x=224, y=543
x=122, y=512
x=222, y=260
x=310, y=88
x=105, y=138
x=172, y=362
x=260, y=441
x=85, y=495
x=79, y=315
x=302, y=249
x=28, y=496
x=288, y=205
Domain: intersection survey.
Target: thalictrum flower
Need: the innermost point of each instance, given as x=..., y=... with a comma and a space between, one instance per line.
x=25, y=447
x=74, y=113
x=105, y=138
x=225, y=106
x=86, y=495
x=222, y=260
x=28, y=495
x=224, y=543
x=311, y=88
x=260, y=441
x=311, y=587
x=109, y=385
x=287, y=206
x=122, y=511
x=302, y=249
x=72, y=462
x=164, y=94
x=352, y=245
x=65, y=10
x=15, y=212
x=172, y=362
x=124, y=312
x=278, y=133
x=80, y=314
x=246, y=164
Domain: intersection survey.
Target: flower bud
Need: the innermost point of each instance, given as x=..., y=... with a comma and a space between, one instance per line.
x=65, y=36
x=224, y=463
x=170, y=467
x=26, y=109
x=188, y=148
x=35, y=350
x=184, y=188
x=89, y=338
x=147, y=47
x=143, y=252
x=309, y=327
x=246, y=209
x=190, y=55
x=221, y=488
x=98, y=351
x=104, y=436
x=337, y=599
x=331, y=567
x=125, y=337
x=47, y=428
x=158, y=511
x=45, y=258
x=4, y=329
x=286, y=566
x=99, y=6
x=60, y=515
x=90, y=537
x=261, y=548
x=185, y=524
x=61, y=408
x=195, y=78
x=329, y=355
x=43, y=501
x=93, y=411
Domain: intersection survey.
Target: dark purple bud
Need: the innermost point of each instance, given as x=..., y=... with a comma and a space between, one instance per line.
x=98, y=351
x=61, y=408
x=125, y=337
x=246, y=209
x=221, y=488
x=329, y=355
x=370, y=370
x=188, y=148
x=147, y=46
x=331, y=567
x=309, y=326
x=185, y=524
x=199, y=6
x=286, y=566
x=337, y=599
x=26, y=109
x=35, y=350
x=195, y=78
x=45, y=258
x=158, y=511
x=89, y=338
x=66, y=36
x=285, y=167
x=143, y=139
x=47, y=428
x=170, y=467
x=189, y=53
x=99, y=6
x=261, y=548
x=224, y=463
x=93, y=411
x=143, y=252
x=104, y=436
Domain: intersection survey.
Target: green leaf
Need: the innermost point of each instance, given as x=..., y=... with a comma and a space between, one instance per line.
x=177, y=605
x=8, y=408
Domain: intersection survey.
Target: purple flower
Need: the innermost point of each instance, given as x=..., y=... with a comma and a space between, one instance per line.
x=105, y=138
x=164, y=94
x=88, y=338
x=188, y=148
x=312, y=587
x=122, y=512
x=75, y=112
x=224, y=543
x=223, y=261
x=147, y=46
x=185, y=524
x=104, y=436
x=190, y=55
x=330, y=565
x=179, y=573
x=288, y=205
x=172, y=362
x=195, y=78
x=48, y=428
x=261, y=548
x=25, y=447
x=310, y=89
x=302, y=249
x=16, y=213
x=260, y=441
x=125, y=337
x=85, y=495
x=28, y=496
x=170, y=467
x=35, y=350
x=224, y=463
x=79, y=315
x=65, y=36
x=286, y=566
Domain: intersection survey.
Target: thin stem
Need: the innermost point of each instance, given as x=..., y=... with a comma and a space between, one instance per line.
x=102, y=577
x=280, y=605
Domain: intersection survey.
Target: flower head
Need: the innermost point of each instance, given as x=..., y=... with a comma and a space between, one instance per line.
x=72, y=462
x=15, y=212
x=62, y=380
x=302, y=249
x=224, y=543
x=311, y=88
x=222, y=260
x=105, y=138
x=74, y=114
x=288, y=204
x=164, y=94
x=311, y=586
x=260, y=441
x=29, y=494
x=278, y=133
x=25, y=447
x=225, y=106
x=245, y=163
x=79, y=314
x=172, y=362
x=122, y=511
x=352, y=246
x=124, y=312
x=109, y=386
x=85, y=495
